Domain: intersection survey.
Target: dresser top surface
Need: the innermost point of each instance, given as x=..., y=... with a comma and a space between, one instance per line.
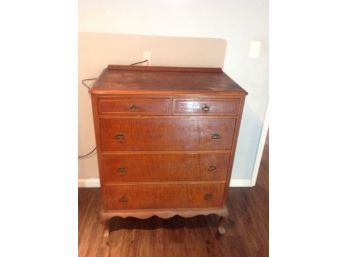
x=118, y=79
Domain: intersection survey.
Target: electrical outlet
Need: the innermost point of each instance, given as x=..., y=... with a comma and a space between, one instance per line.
x=147, y=56
x=254, y=50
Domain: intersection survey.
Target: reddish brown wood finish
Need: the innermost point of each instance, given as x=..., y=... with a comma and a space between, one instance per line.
x=149, y=166
x=152, y=196
x=201, y=106
x=165, y=80
x=158, y=131
x=166, y=133
x=246, y=227
x=134, y=106
x=164, y=213
x=162, y=68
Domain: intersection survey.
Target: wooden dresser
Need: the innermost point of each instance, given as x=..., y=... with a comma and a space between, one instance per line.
x=166, y=138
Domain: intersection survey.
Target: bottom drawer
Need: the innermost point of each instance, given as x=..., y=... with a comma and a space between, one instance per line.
x=160, y=196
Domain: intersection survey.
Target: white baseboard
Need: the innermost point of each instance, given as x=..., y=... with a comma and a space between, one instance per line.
x=89, y=182
x=240, y=183
x=94, y=182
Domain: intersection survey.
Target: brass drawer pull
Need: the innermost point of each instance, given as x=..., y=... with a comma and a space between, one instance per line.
x=205, y=108
x=122, y=170
x=120, y=137
x=123, y=199
x=215, y=136
x=133, y=107
x=212, y=168
x=208, y=196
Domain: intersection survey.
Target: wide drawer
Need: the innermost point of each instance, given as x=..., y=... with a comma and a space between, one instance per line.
x=134, y=106
x=149, y=167
x=152, y=196
x=166, y=133
x=202, y=106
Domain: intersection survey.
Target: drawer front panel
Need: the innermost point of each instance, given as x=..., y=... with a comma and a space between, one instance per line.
x=164, y=167
x=134, y=106
x=165, y=133
x=151, y=196
x=206, y=106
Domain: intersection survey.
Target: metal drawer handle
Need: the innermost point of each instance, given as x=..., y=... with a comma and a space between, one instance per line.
x=215, y=136
x=133, y=107
x=120, y=137
x=205, y=108
x=208, y=196
x=122, y=170
x=212, y=168
x=123, y=199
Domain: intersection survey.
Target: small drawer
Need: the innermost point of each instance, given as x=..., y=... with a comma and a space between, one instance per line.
x=152, y=196
x=134, y=106
x=201, y=106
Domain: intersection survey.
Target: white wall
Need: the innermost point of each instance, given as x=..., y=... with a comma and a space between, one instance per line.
x=236, y=21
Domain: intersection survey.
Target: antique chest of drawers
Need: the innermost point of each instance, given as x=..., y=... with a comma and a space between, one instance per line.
x=166, y=138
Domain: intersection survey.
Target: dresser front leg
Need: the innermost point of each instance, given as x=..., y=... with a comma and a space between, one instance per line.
x=105, y=221
x=222, y=221
x=106, y=233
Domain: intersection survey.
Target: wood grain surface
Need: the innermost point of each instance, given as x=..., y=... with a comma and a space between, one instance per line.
x=134, y=106
x=163, y=195
x=201, y=106
x=163, y=119
x=246, y=228
x=178, y=166
x=165, y=80
x=166, y=133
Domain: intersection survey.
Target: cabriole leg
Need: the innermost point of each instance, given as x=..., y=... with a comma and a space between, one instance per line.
x=221, y=228
x=105, y=221
x=106, y=233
